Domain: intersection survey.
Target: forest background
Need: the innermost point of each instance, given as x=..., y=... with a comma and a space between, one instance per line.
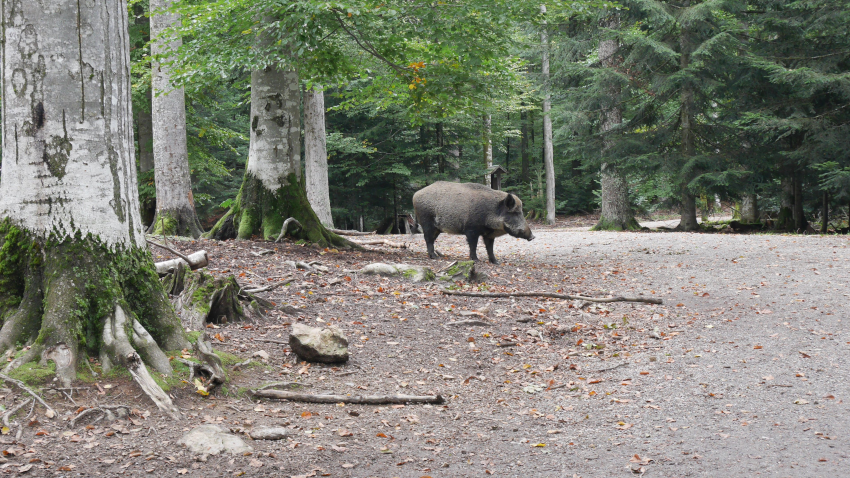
x=677, y=104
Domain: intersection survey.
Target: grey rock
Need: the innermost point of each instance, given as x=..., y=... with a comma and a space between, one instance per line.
x=212, y=440
x=414, y=273
x=313, y=344
x=269, y=433
x=261, y=354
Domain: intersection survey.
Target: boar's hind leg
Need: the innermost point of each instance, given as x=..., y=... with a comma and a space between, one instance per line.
x=488, y=243
x=472, y=239
x=431, y=234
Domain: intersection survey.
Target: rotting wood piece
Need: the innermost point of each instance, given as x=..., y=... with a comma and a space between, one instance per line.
x=646, y=300
x=200, y=298
x=358, y=400
x=196, y=261
x=381, y=242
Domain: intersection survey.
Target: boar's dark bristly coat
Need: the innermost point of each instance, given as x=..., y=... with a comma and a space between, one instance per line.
x=473, y=210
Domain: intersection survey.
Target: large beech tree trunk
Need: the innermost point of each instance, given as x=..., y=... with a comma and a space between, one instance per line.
x=616, y=214
x=750, y=209
x=175, y=205
x=316, y=155
x=548, y=151
x=271, y=189
x=75, y=264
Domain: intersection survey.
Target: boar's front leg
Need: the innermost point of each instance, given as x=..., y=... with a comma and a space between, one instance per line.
x=472, y=239
x=431, y=234
x=488, y=243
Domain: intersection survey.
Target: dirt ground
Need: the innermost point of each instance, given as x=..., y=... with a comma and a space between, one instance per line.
x=747, y=377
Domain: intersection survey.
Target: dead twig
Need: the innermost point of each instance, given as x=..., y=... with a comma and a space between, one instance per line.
x=507, y=344
x=290, y=385
x=271, y=341
x=381, y=242
x=23, y=387
x=468, y=322
x=359, y=400
x=271, y=287
x=646, y=300
x=14, y=410
x=611, y=368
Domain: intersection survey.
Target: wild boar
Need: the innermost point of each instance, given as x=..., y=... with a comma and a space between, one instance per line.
x=473, y=210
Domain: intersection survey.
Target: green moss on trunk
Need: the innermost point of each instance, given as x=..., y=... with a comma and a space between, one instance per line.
x=258, y=211
x=70, y=288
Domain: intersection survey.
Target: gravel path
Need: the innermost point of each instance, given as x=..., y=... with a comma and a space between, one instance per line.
x=754, y=385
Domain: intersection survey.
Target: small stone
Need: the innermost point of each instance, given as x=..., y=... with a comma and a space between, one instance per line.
x=313, y=344
x=269, y=433
x=212, y=440
x=261, y=354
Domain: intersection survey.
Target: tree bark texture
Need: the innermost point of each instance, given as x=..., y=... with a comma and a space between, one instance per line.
x=488, y=147
x=750, y=209
x=688, y=219
x=175, y=205
x=316, y=155
x=616, y=213
x=824, y=213
x=548, y=151
x=271, y=188
x=785, y=220
x=800, y=222
x=71, y=243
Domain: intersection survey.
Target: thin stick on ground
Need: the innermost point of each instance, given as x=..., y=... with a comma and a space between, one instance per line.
x=343, y=232
x=23, y=387
x=358, y=400
x=14, y=411
x=646, y=300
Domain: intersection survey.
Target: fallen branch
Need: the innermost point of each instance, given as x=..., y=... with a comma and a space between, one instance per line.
x=105, y=412
x=162, y=246
x=195, y=261
x=358, y=400
x=381, y=242
x=285, y=227
x=507, y=344
x=269, y=288
x=469, y=322
x=14, y=411
x=271, y=341
x=342, y=232
x=23, y=387
x=646, y=300
x=611, y=368
x=289, y=385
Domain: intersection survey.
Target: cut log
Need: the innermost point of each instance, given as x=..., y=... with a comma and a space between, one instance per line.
x=342, y=232
x=196, y=260
x=646, y=300
x=358, y=400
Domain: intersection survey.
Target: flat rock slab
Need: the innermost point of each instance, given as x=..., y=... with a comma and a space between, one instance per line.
x=315, y=344
x=212, y=440
x=270, y=433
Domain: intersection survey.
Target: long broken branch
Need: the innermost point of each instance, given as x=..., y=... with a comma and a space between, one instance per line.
x=381, y=242
x=162, y=246
x=358, y=400
x=271, y=287
x=343, y=232
x=646, y=300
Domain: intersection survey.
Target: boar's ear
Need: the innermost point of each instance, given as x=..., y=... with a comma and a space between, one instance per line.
x=510, y=202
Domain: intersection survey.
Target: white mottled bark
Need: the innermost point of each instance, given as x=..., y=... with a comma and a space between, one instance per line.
x=488, y=148
x=316, y=156
x=750, y=208
x=616, y=208
x=548, y=151
x=68, y=152
x=275, y=148
x=171, y=157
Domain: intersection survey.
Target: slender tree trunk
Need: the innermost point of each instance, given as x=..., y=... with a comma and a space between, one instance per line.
x=175, y=204
x=488, y=148
x=316, y=155
x=750, y=209
x=146, y=161
x=688, y=220
x=824, y=213
x=616, y=214
x=800, y=222
x=548, y=152
x=271, y=189
x=524, y=175
x=441, y=144
x=785, y=221
x=73, y=250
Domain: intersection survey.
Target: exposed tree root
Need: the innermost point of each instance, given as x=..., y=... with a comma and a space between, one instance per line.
x=646, y=300
x=117, y=348
x=284, y=229
x=23, y=387
x=359, y=400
